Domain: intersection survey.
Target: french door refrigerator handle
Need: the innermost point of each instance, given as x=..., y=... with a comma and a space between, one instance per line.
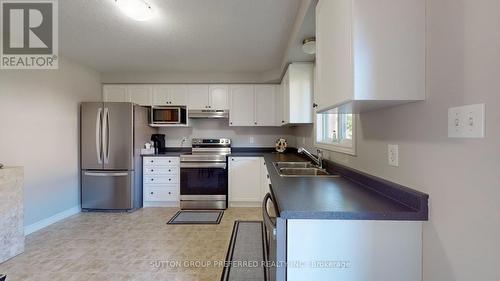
x=96, y=174
x=98, y=135
x=105, y=133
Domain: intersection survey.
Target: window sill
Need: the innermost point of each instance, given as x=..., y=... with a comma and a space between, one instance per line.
x=336, y=148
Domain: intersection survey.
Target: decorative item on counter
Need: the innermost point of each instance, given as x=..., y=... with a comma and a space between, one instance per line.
x=281, y=145
x=148, y=149
x=1, y=165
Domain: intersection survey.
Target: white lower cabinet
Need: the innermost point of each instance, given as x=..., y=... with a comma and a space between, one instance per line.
x=353, y=250
x=161, y=181
x=245, y=183
x=161, y=193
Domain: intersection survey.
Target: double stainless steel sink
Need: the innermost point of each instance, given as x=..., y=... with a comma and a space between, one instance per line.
x=301, y=169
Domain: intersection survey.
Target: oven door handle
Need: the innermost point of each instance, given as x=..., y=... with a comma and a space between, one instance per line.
x=204, y=165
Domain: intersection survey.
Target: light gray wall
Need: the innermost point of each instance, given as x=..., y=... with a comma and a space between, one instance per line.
x=39, y=129
x=240, y=136
x=462, y=176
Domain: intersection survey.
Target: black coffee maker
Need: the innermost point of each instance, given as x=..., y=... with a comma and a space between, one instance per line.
x=159, y=142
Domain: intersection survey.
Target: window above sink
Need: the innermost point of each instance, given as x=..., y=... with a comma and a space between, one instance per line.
x=336, y=132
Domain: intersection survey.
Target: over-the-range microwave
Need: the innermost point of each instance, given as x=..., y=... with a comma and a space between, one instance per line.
x=167, y=115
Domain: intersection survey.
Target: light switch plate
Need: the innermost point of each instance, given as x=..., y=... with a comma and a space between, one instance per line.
x=466, y=121
x=393, y=154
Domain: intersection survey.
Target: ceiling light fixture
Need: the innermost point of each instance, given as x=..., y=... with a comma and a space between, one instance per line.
x=309, y=45
x=138, y=10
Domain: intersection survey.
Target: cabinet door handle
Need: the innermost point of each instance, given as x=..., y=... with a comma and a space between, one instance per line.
x=169, y=179
x=169, y=192
x=151, y=192
x=282, y=121
x=152, y=179
x=255, y=123
x=151, y=161
x=169, y=170
x=152, y=170
x=315, y=105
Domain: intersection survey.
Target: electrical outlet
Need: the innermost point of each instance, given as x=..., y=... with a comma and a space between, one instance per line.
x=252, y=139
x=466, y=121
x=393, y=154
x=455, y=122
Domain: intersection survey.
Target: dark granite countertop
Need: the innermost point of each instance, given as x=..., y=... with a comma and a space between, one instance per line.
x=354, y=196
x=166, y=154
x=171, y=152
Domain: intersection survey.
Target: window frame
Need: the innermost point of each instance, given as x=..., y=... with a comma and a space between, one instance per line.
x=336, y=147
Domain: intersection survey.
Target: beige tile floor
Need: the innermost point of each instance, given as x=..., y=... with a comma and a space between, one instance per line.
x=122, y=246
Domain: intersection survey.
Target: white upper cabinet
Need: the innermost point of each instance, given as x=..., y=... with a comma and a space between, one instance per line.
x=295, y=99
x=279, y=113
x=170, y=94
x=252, y=105
x=219, y=96
x=198, y=97
x=208, y=97
x=369, y=55
x=115, y=93
x=141, y=94
x=242, y=107
x=265, y=105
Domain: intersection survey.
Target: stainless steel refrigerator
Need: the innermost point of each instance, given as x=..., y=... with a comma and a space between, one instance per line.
x=112, y=134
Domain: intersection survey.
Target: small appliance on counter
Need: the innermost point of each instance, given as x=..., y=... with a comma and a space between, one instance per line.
x=159, y=143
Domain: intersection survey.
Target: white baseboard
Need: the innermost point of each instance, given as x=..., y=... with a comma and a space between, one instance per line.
x=50, y=220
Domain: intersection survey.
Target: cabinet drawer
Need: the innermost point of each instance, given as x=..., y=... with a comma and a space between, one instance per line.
x=161, y=170
x=161, y=193
x=165, y=161
x=161, y=179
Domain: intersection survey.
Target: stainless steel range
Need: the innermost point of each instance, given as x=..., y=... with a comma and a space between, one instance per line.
x=204, y=174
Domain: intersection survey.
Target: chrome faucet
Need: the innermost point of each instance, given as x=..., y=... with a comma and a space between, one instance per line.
x=317, y=159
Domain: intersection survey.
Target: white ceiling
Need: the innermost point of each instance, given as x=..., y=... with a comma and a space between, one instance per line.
x=184, y=36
